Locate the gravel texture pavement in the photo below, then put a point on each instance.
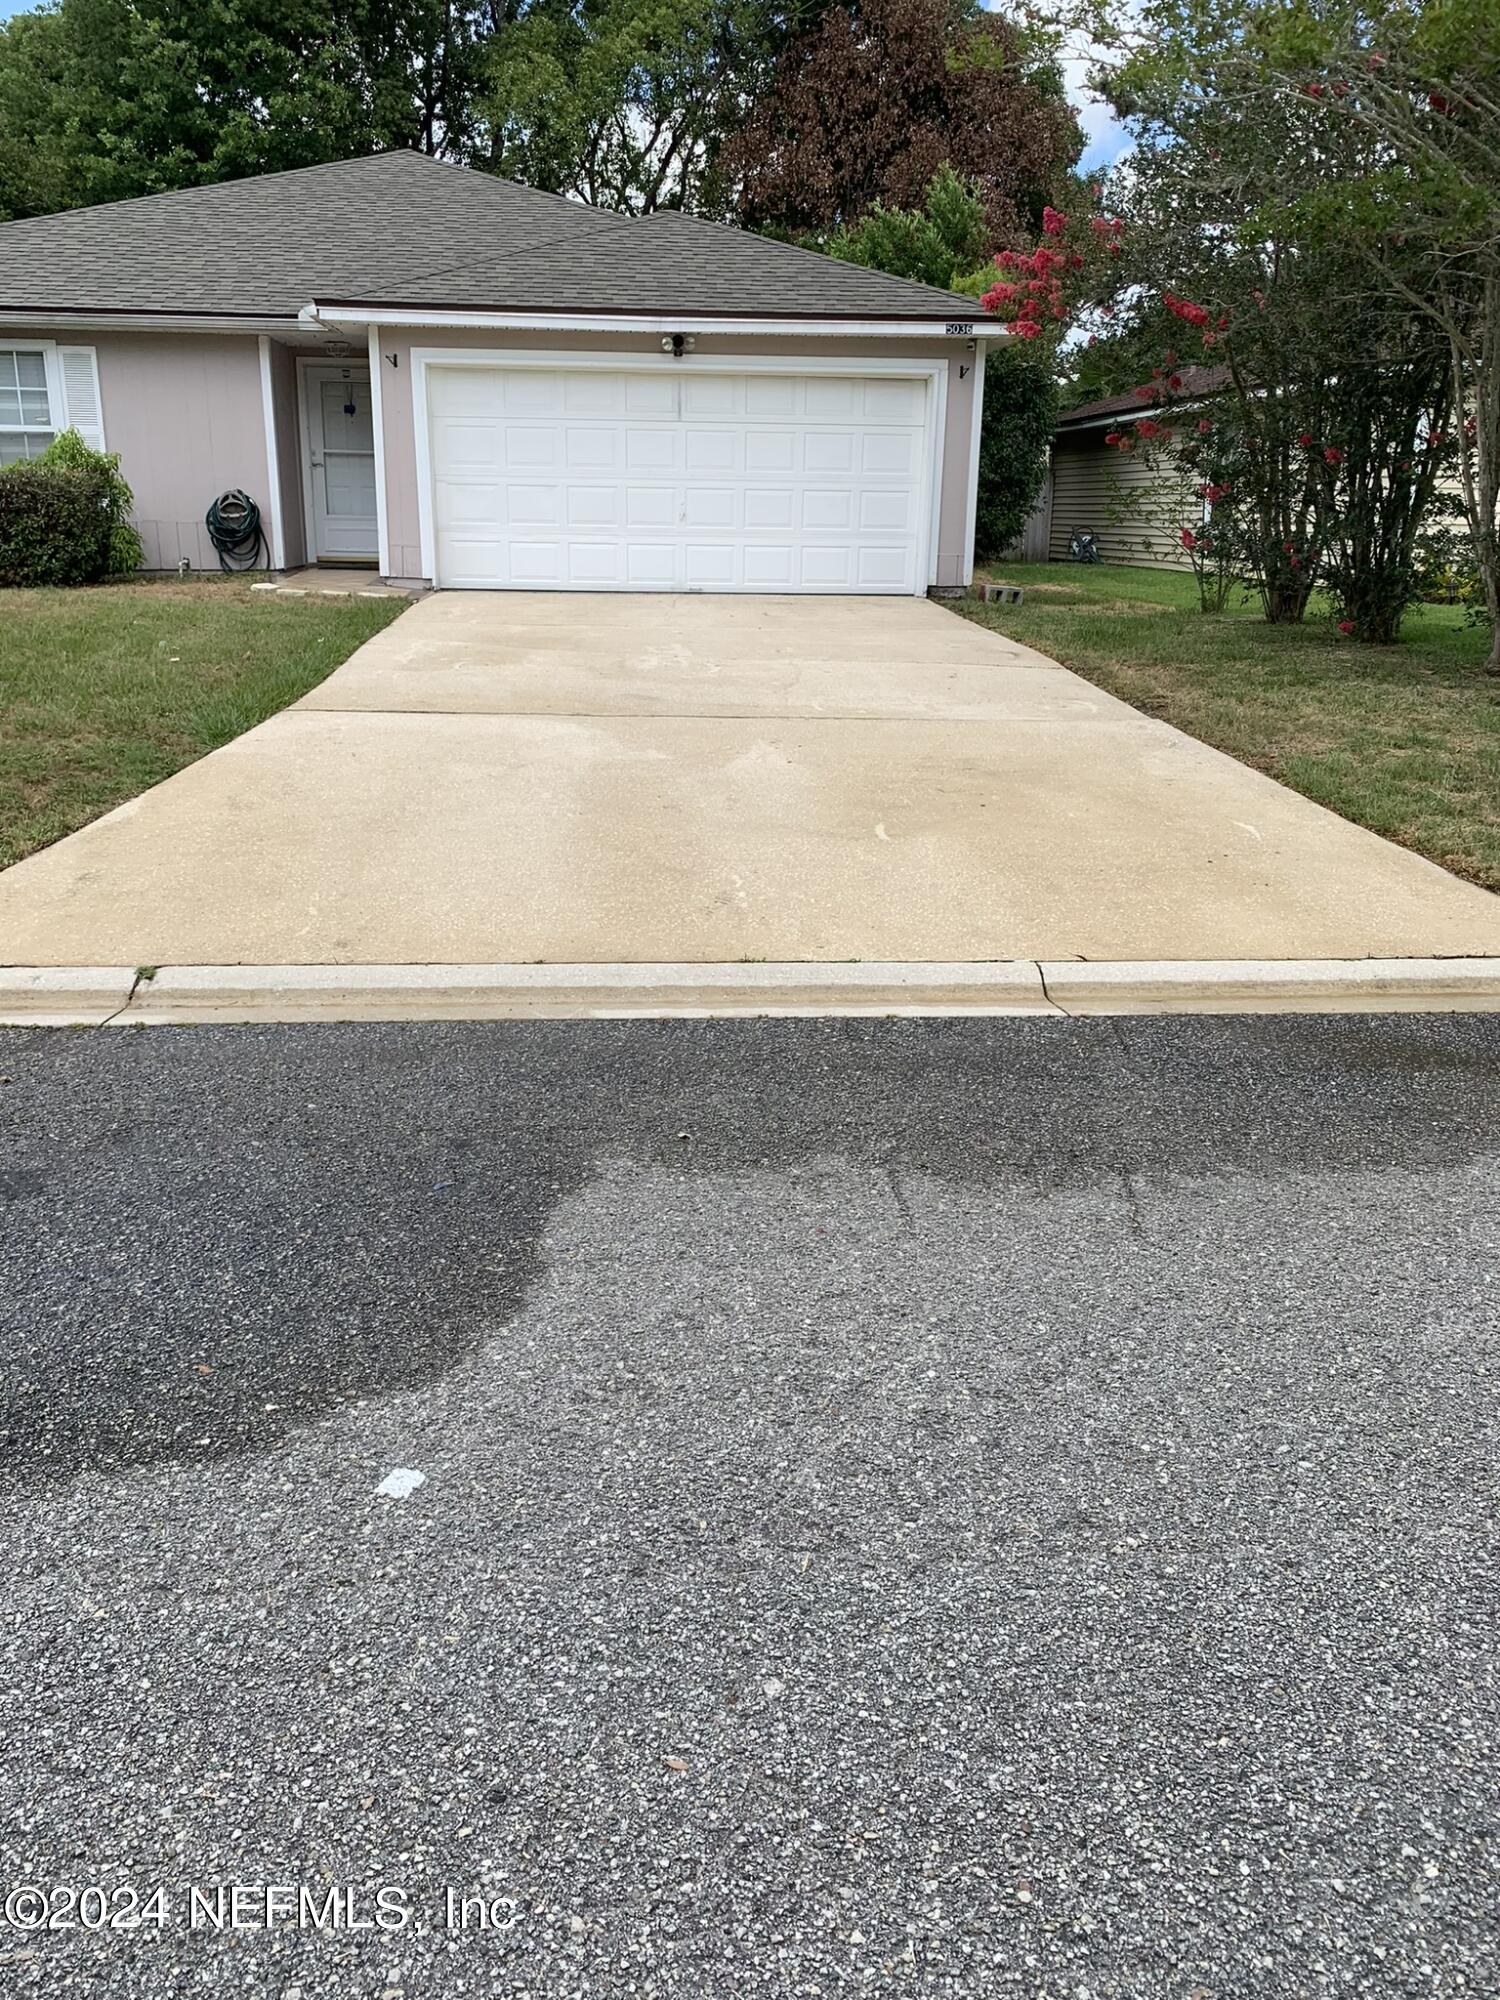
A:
(929, 1508)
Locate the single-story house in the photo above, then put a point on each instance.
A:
(466, 382)
(1130, 502)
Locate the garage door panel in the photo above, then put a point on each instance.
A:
(595, 394)
(478, 560)
(884, 568)
(595, 507)
(593, 449)
(657, 450)
(522, 506)
(621, 479)
(890, 452)
(651, 565)
(523, 448)
(898, 402)
(536, 562)
(472, 503)
(827, 507)
(830, 568)
(713, 396)
(470, 446)
(529, 394)
(772, 451)
(710, 565)
(828, 451)
(713, 450)
(770, 566)
(652, 396)
(770, 507)
(836, 400)
(710, 507)
(886, 510)
(591, 564)
(650, 506)
(773, 396)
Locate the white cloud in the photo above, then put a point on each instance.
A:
(1106, 139)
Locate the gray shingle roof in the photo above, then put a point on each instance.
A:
(401, 229)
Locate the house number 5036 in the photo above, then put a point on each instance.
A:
(959, 326)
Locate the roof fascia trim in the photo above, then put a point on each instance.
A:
(164, 321)
(819, 326)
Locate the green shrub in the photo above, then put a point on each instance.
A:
(69, 451)
(55, 525)
(1015, 443)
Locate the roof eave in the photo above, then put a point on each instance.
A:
(180, 319)
(363, 312)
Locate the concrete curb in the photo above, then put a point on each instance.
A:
(97, 996)
(63, 996)
(520, 992)
(1273, 986)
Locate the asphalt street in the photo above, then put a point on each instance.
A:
(916, 1507)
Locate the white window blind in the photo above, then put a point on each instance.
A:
(80, 380)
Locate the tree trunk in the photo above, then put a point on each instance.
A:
(1286, 602)
(1380, 626)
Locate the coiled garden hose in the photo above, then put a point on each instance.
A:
(233, 523)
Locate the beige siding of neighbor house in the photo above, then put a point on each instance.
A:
(1129, 501)
(402, 526)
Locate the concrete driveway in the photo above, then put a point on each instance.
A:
(590, 779)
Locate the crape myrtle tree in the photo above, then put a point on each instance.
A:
(1330, 418)
(1404, 99)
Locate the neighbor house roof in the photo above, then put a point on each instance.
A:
(1195, 381)
(402, 229)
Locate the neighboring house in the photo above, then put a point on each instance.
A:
(468, 382)
(1130, 501)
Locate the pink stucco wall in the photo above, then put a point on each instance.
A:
(400, 438)
(184, 412)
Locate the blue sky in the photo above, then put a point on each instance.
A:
(1107, 138)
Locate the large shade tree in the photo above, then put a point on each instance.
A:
(104, 99)
(868, 105)
(627, 103)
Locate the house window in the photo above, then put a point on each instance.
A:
(26, 426)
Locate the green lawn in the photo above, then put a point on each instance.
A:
(106, 691)
(1404, 739)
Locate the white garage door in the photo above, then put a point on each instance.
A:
(678, 479)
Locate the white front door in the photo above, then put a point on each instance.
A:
(341, 461)
(678, 476)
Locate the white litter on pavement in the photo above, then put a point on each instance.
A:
(403, 1481)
